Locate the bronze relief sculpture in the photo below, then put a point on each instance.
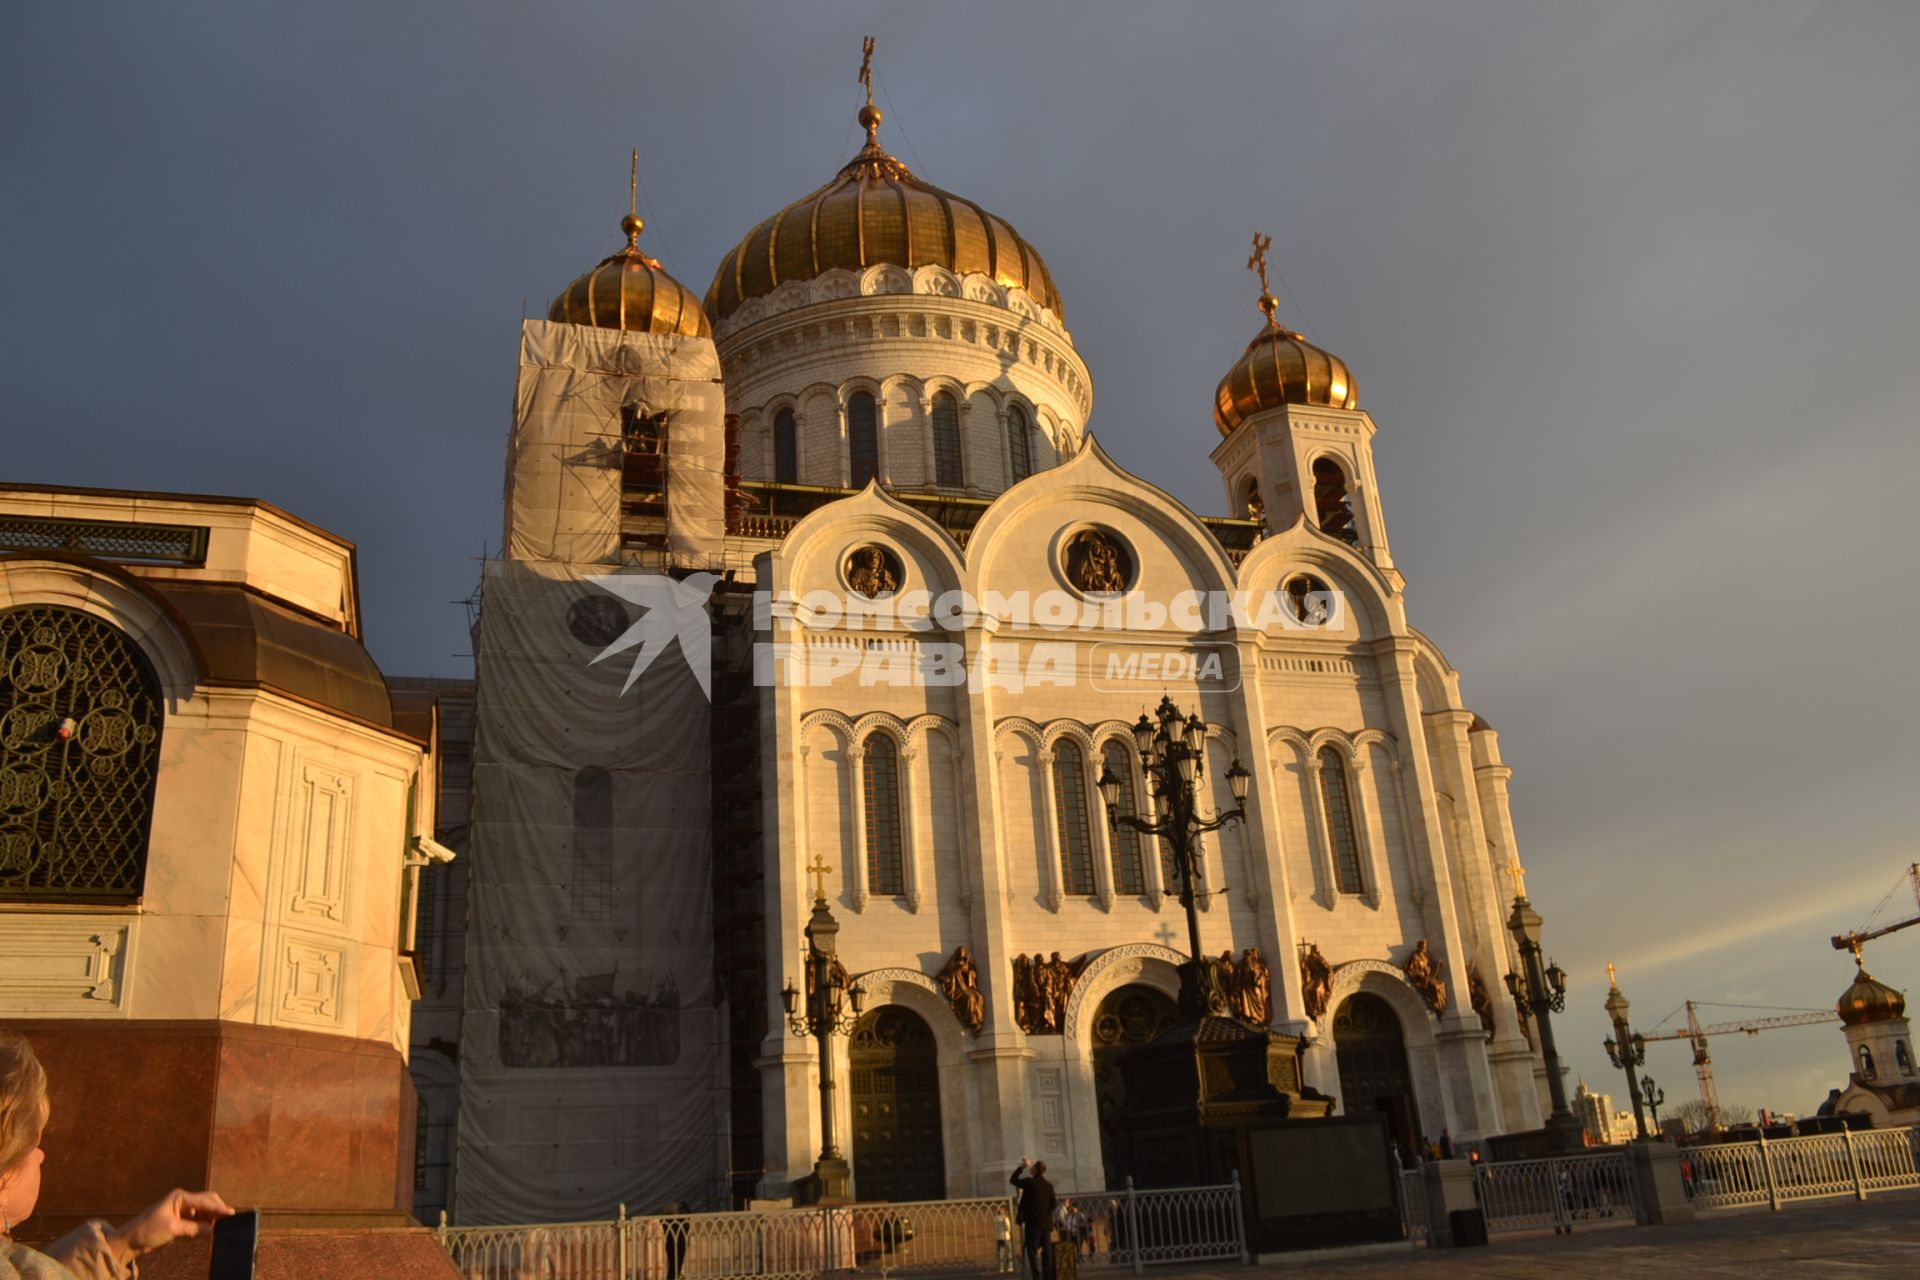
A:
(1316, 981)
(960, 983)
(1097, 563)
(1424, 975)
(1477, 996)
(873, 571)
(1041, 988)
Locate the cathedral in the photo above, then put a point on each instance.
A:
(930, 610)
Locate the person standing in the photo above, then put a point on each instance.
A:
(1035, 1216)
(1446, 1144)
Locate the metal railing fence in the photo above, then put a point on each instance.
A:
(1733, 1175)
(1412, 1185)
(1127, 1228)
(1557, 1192)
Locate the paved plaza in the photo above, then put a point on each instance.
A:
(1846, 1238)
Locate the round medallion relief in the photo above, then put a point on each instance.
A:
(1310, 600)
(873, 571)
(596, 620)
(1097, 561)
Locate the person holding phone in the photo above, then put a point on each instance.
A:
(94, 1250)
(1035, 1216)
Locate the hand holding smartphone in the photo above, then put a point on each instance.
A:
(236, 1240)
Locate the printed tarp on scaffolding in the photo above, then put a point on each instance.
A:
(594, 406)
(588, 1055)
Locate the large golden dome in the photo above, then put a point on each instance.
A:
(1280, 367)
(1867, 999)
(875, 211)
(631, 292)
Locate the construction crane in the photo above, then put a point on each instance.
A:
(1867, 933)
(1703, 1061)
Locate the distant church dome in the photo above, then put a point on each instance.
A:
(632, 292)
(875, 211)
(1280, 367)
(1869, 1000)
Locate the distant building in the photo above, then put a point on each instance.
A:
(1604, 1125)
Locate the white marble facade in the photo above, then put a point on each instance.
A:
(980, 836)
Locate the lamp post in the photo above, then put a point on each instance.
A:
(1654, 1096)
(1172, 760)
(832, 1007)
(1541, 987)
(1626, 1049)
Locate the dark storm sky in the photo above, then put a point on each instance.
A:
(1629, 289)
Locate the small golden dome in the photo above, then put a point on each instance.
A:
(1280, 367)
(875, 211)
(631, 291)
(1869, 1000)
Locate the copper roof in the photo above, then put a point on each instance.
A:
(244, 638)
(1281, 367)
(875, 211)
(1867, 999)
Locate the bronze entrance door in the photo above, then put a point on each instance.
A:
(895, 1098)
(1127, 1018)
(1373, 1069)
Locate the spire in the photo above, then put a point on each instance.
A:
(633, 224)
(869, 116)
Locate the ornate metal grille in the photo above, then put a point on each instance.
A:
(1070, 810)
(80, 727)
(107, 539)
(886, 872)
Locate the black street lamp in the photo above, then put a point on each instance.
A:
(1541, 988)
(1654, 1096)
(1172, 759)
(833, 1003)
(1626, 1048)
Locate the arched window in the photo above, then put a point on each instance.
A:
(948, 471)
(1129, 874)
(592, 844)
(79, 756)
(1019, 444)
(1346, 854)
(1332, 500)
(863, 439)
(1866, 1063)
(1070, 808)
(880, 774)
(1252, 505)
(786, 449)
(1901, 1058)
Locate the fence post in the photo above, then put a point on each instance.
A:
(1562, 1203)
(443, 1228)
(1133, 1226)
(1853, 1164)
(620, 1242)
(1239, 1219)
(1766, 1167)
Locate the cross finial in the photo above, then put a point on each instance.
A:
(1258, 265)
(819, 870)
(1518, 873)
(633, 224)
(869, 116)
(1611, 983)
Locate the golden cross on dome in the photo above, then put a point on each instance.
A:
(1518, 873)
(869, 116)
(1611, 983)
(633, 224)
(1258, 264)
(819, 870)
(866, 68)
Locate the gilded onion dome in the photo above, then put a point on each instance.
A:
(631, 291)
(875, 211)
(1280, 367)
(1868, 999)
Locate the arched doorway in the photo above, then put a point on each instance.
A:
(1130, 1016)
(1374, 1075)
(895, 1098)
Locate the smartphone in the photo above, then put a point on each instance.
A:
(236, 1237)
